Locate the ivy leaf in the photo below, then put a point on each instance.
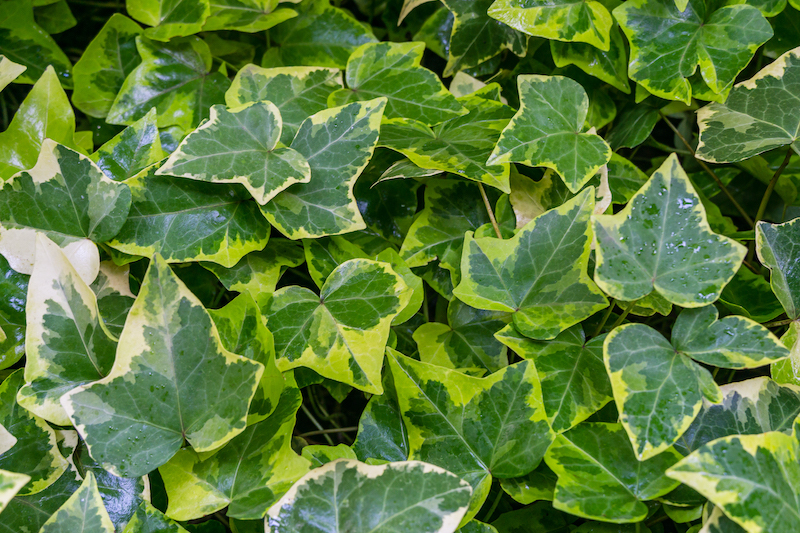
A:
(170, 18)
(298, 92)
(546, 131)
(539, 484)
(393, 70)
(381, 433)
(149, 519)
(750, 295)
(538, 277)
(337, 143)
(610, 66)
(662, 241)
(599, 476)
(475, 427)
(249, 16)
(240, 145)
(13, 294)
(168, 337)
(9, 71)
(778, 247)
(342, 333)
(132, 150)
(571, 372)
(173, 77)
(82, 512)
(347, 495)
(187, 220)
(667, 45)
(460, 145)
(104, 65)
(10, 485)
(248, 475)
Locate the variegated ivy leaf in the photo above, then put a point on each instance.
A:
(35, 452)
(67, 343)
(563, 20)
(247, 475)
(571, 371)
(546, 131)
(104, 65)
(246, 15)
(337, 143)
(539, 275)
(475, 427)
(173, 77)
(148, 519)
(610, 66)
(460, 145)
(9, 71)
(750, 295)
(715, 521)
(240, 145)
(755, 479)
(667, 45)
(599, 476)
(778, 247)
(393, 70)
(83, 512)
(114, 296)
(186, 385)
(299, 92)
(319, 454)
(662, 241)
(382, 436)
(188, 220)
(342, 333)
(132, 150)
(539, 484)
(170, 18)
(10, 485)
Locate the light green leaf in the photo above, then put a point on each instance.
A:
(10, 485)
(460, 145)
(778, 247)
(83, 512)
(187, 220)
(546, 131)
(9, 71)
(571, 370)
(148, 519)
(393, 70)
(599, 476)
(299, 92)
(132, 150)
(563, 20)
(170, 18)
(788, 370)
(539, 275)
(246, 15)
(248, 475)
(319, 454)
(173, 77)
(337, 143)
(168, 338)
(475, 427)
(104, 65)
(610, 66)
(667, 45)
(342, 333)
(662, 241)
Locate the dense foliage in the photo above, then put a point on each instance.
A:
(382, 266)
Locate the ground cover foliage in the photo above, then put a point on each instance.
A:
(372, 266)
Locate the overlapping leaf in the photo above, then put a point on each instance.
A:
(778, 247)
(9, 71)
(170, 18)
(83, 512)
(13, 294)
(246, 15)
(148, 518)
(132, 150)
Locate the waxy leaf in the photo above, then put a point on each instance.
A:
(475, 427)
(610, 66)
(298, 92)
(546, 131)
(563, 20)
(10, 485)
(188, 220)
(599, 476)
(382, 436)
(246, 15)
(342, 333)
(83, 512)
(9, 71)
(185, 384)
(67, 344)
(539, 275)
(393, 70)
(132, 150)
(750, 295)
(148, 519)
(758, 115)
(662, 241)
(337, 143)
(13, 293)
(667, 45)
(539, 484)
(240, 145)
(778, 247)
(171, 18)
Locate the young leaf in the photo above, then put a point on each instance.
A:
(546, 131)
(778, 247)
(337, 143)
(9, 71)
(668, 45)
(342, 333)
(539, 275)
(83, 512)
(662, 241)
(246, 15)
(170, 18)
(348, 495)
(185, 384)
(132, 150)
(240, 145)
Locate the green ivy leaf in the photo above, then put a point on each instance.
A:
(9, 71)
(246, 15)
(347, 495)
(168, 337)
(170, 18)
(319, 454)
(132, 150)
(599, 476)
(13, 294)
(539, 484)
(610, 66)
(149, 519)
(28, 513)
(750, 295)
(662, 241)
(778, 247)
(540, 279)
(382, 436)
(667, 45)
(81, 513)
(541, 135)
(337, 143)
(336, 334)
(240, 145)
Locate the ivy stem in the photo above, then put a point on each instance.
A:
(328, 431)
(490, 211)
(777, 323)
(493, 508)
(624, 314)
(317, 424)
(708, 171)
(603, 321)
(771, 187)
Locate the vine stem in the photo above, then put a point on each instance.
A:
(624, 314)
(603, 321)
(779, 323)
(328, 431)
(708, 171)
(493, 508)
(317, 424)
(771, 187)
(490, 211)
